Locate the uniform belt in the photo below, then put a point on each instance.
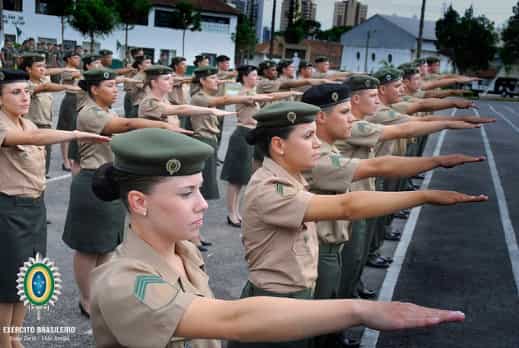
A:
(330, 248)
(20, 200)
(255, 291)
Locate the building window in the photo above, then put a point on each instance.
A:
(42, 7)
(69, 45)
(358, 55)
(164, 19)
(390, 58)
(13, 5)
(215, 24)
(373, 57)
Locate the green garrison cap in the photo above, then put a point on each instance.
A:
(326, 95)
(362, 82)
(205, 71)
(105, 52)
(156, 70)
(99, 75)
(285, 114)
(432, 60)
(388, 75)
(321, 59)
(9, 76)
(159, 152)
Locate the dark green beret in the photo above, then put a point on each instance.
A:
(388, 75)
(409, 69)
(284, 63)
(159, 152)
(205, 71)
(362, 82)
(321, 59)
(104, 52)
(156, 70)
(102, 74)
(420, 61)
(267, 64)
(285, 114)
(326, 95)
(304, 64)
(432, 60)
(10, 76)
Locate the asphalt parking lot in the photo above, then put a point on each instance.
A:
(456, 257)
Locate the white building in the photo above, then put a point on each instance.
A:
(387, 38)
(219, 21)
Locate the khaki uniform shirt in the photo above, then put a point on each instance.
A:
(152, 108)
(362, 143)
(246, 111)
(22, 167)
(430, 77)
(40, 110)
(319, 75)
(266, 85)
(280, 249)
(137, 92)
(68, 78)
(92, 118)
(180, 94)
(204, 125)
(388, 116)
(138, 300)
(332, 174)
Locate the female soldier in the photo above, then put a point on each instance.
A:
(94, 228)
(206, 127)
(156, 106)
(22, 208)
(68, 108)
(40, 111)
(237, 167)
(279, 234)
(154, 291)
(135, 90)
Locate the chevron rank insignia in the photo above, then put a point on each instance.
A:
(336, 161)
(154, 291)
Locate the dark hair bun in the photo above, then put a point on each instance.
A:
(83, 85)
(104, 185)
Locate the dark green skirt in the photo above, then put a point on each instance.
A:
(92, 225)
(68, 113)
(23, 224)
(130, 110)
(250, 290)
(210, 186)
(237, 166)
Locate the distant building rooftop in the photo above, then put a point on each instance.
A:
(216, 6)
(412, 26)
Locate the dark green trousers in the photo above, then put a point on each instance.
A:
(250, 290)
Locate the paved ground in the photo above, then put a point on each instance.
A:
(457, 257)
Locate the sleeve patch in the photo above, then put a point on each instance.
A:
(336, 161)
(153, 291)
(280, 188)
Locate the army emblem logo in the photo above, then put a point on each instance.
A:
(367, 83)
(388, 77)
(106, 75)
(291, 117)
(39, 283)
(173, 166)
(335, 96)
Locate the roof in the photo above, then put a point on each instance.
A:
(216, 6)
(412, 26)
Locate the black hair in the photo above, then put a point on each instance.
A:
(110, 184)
(87, 85)
(26, 63)
(222, 58)
(243, 71)
(176, 61)
(138, 61)
(198, 59)
(262, 136)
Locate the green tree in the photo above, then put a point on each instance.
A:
(130, 12)
(186, 17)
(459, 37)
(333, 34)
(62, 9)
(510, 36)
(244, 38)
(93, 18)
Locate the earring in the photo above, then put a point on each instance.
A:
(145, 213)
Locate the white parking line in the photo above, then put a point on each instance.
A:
(58, 178)
(506, 222)
(369, 336)
(514, 127)
(510, 109)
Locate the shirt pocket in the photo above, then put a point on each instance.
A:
(30, 158)
(300, 245)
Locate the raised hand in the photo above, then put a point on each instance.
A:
(178, 129)
(399, 315)
(477, 119)
(262, 98)
(438, 197)
(218, 112)
(462, 125)
(465, 104)
(454, 160)
(90, 137)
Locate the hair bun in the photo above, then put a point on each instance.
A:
(103, 184)
(83, 85)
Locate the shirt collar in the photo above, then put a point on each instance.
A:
(277, 170)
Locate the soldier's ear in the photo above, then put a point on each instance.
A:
(321, 117)
(137, 203)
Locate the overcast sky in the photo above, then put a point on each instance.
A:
(496, 10)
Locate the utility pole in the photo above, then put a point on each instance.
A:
(272, 25)
(368, 37)
(420, 32)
